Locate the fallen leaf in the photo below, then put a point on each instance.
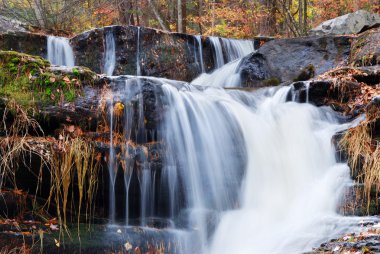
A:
(128, 246)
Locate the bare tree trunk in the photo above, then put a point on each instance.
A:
(158, 17)
(305, 17)
(37, 7)
(300, 14)
(179, 16)
(184, 16)
(200, 8)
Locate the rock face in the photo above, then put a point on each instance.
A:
(161, 54)
(288, 60)
(11, 25)
(366, 49)
(351, 23)
(168, 55)
(25, 42)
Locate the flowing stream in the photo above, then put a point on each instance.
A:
(59, 51)
(226, 72)
(243, 172)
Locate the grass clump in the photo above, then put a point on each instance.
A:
(363, 152)
(74, 166)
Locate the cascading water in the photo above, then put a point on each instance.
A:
(218, 51)
(59, 51)
(225, 75)
(200, 52)
(243, 172)
(110, 53)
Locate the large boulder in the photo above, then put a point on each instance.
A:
(352, 23)
(366, 49)
(12, 25)
(296, 59)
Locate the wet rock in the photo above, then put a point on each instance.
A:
(351, 23)
(294, 59)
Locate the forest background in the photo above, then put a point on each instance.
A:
(226, 18)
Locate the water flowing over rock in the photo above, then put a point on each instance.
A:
(352, 23)
(59, 51)
(110, 54)
(227, 72)
(168, 55)
(202, 168)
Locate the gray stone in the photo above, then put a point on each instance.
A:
(352, 23)
(296, 59)
(11, 25)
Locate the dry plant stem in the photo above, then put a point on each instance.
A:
(362, 149)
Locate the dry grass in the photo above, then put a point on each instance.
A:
(75, 161)
(16, 147)
(364, 153)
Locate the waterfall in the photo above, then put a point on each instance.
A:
(218, 51)
(138, 67)
(290, 181)
(200, 52)
(242, 172)
(59, 51)
(225, 75)
(110, 53)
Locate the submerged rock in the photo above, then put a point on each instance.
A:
(352, 23)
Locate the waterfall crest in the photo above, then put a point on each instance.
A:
(227, 64)
(59, 51)
(110, 53)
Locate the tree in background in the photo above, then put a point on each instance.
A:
(229, 18)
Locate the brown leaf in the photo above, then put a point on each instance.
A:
(66, 80)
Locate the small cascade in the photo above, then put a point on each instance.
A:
(138, 67)
(225, 75)
(217, 51)
(201, 65)
(236, 49)
(110, 53)
(59, 51)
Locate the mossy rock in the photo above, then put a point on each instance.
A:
(31, 81)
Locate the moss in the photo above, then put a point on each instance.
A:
(307, 73)
(272, 82)
(29, 80)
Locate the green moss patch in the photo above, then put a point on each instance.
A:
(30, 81)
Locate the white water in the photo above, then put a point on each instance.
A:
(60, 51)
(292, 185)
(110, 53)
(200, 51)
(225, 75)
(244, 172)
(218, 51)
